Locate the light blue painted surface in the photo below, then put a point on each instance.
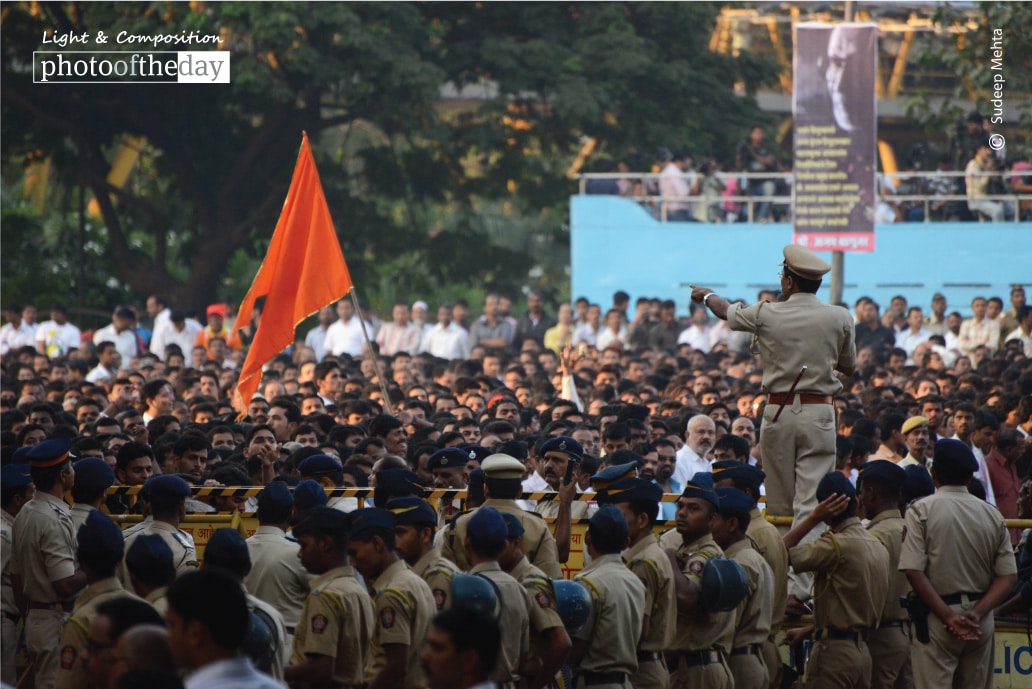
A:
(616, 244)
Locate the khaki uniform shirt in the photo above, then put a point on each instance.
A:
(651, 565)
(337, 621)
(753, 615)
(437, 572)
(538, 541)
(888, 528)
(7, 600)
(699, 630)
(578, 509)
(953, 564)
(514, 621)
(617, 612)
(277, 576)
(851, 576)
(544, 610)
(71, 672)
(79, 512)
(803, 330)
(136, 528)
(158, 598)
(44, 546)
(767, 542)
(404, 607)
(184, 556)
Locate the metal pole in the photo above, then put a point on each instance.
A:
(372, 354)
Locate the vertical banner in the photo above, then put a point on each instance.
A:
(834, 107)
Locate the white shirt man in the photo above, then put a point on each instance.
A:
(14, 337)
(914, 334)
(446, 340)
(673, 184)
(57, 339)
(316, 337)
(345, 335)
(691, 459)
(183, 334)
(125, 342)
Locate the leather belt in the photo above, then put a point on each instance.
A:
(778, 398)
(699, 658)
(895, 623)
(832, 634)
(750, 650)
(649, 656)
(958, 598)
(61, 606)
(595, 678)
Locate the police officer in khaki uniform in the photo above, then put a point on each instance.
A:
(415, 523)
(93, 476)
(960, 580)
(639, 500)
(549, 641)
(101, 547)
(878, 495)
(44, 556)
(402, 602)
(556, 455)
(331, 641)
(277, 575)
(148, 562)
(503, 484)
(767, 542)
(703, 639)
(752, 618)
(486, 537)
(17, 489)
(851, 583)
(605, 651)
(799, 448)
(168, 494)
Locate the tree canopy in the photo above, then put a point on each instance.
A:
(428, 184)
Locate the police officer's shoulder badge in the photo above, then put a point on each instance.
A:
(387, 618)
(319, 624)
(68, 656)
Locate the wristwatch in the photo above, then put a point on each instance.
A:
(708, 295)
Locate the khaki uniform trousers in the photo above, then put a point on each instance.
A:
(772, 659)
(651, 674)
(8, 651)
(43, 641)
(946, 661)
(890, 656)
(749, 671)
(838, 664)
(712, 676)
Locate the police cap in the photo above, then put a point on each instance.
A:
(832, 483)
(804, 262)
(149, 553)
(319, 464)
(499, 466)
(738, 471)
(955, 456)
(410, 510)
(513, 523)
(275, 497)
(322, 520)
(701, 486)
(477, 453)
(99, 534)
(15, 476)
(308, 494)
(611, 474)
(49, 453)
(487, 529)
(917, 483)
(570, 447)
(633, 490)
(93, 473)
(371, 519)
(881, 469)
(447, 458)
(400, 482)
(914, 422)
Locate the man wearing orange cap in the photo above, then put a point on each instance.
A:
(803, 342)
(217, 328)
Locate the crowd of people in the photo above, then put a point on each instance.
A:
(703, 189)
(608, 413)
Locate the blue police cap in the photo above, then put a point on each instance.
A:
(371, 519)
(99, 534)
(410, 510)
(227, 548)
(735, 500)
(612, 474)
(49, 453)
(881, 469)
(321, 520)
(400, 481)
(917, 483)
(149, 553)
(478, 453)
(633, 489)
(21, 455)
(738, 471)
(564, 444)
(93, 473)
(954, 456)
(15, 476)
(513, 524)
(834, 482)
(448, 458)
(487, 529)
(318, 464)
(168, 486)
(308, 494)
(275, 497)
(611, 520)
(701, 486)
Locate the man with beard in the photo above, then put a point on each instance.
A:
(699, 435)
(557, 454)
(915, 434)
(666, 463)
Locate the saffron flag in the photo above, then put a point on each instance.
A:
(303, 271)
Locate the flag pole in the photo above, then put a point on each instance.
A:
(372, 355)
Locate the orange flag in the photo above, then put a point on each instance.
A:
(303, 271)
